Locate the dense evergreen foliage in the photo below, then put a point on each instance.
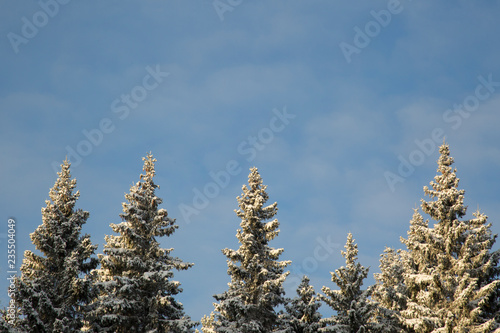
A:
(134, 290)
(256, 287)
(351, 303)
(446, 279)
(302, 314)
(390, 291)
(450, 273)
(52, 290)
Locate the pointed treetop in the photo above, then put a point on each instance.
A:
(350, 302)
(149, 167)
(61, 193)
(257, 275)
(302, 311)
(449, 199)
(135, 282)
(445, 160)
(255, 180)
(351, 252)
(451, 278)
(252, 200)
(53, 287)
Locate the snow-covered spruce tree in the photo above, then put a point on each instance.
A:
(451, 274)
(420, 271)
(302, 314)
(134, 287)
(389, 291)
(256, 287)
(52, 289)
(352, 304)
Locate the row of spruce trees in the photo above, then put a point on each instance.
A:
(446, 280)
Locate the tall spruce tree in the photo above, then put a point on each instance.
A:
(52, 289)
(256, 287)
(451, 274)
(302, 314)
(134, 287)
(351, 303)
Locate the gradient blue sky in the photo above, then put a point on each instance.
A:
(355, 118)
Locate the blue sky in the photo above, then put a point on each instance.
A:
(345, 140)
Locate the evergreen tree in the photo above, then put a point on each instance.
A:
(420, 270)
(257, 277)
(451, 274)
(390, 291)
(5, 327)
(302, 314)
(354, 310)
(134, 287)
(52, 289)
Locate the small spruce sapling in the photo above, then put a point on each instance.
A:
(351, 303)
(302, 314)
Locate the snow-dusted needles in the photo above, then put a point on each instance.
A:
(446, 279)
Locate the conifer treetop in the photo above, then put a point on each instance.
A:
(351, 303)
(141, 211)
(251, 204)
(62, 223)
(389, 291)
(351, 252)
(60, 207)
(61, 194)
(257, 276)
(255, 232)
(302, 314)
(53, 287)
(450, 273)
(135, 282)
(449, 203)
(349, 278)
